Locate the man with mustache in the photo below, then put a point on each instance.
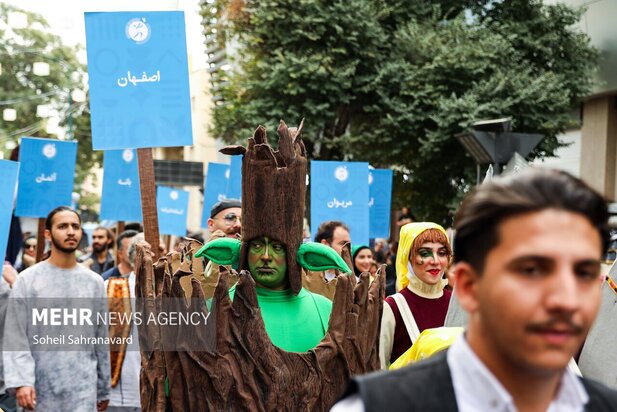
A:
(225, 222)
(47, 375)
(527, 256)
(100, 260)
(226, 216)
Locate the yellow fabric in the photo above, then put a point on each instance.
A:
(409, 232)
(428, 343)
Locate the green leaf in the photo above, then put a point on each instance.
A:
(223, 251)
(318, 257)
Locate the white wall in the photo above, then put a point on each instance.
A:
(567, 158)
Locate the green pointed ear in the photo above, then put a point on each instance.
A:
(319, 257)
(223, 251)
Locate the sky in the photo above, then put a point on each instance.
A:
(66, 19)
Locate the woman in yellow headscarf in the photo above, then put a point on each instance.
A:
(421, 302)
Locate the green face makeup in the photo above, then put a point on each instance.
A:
(267, 260)
(425, 253)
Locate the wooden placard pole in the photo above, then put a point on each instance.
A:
(40, 240)
(119, 230)
(168, 243)
(148, 199)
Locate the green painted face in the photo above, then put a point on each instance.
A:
(267, 261)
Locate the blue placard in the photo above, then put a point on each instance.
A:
(215, 188)
(121, 199)
(234, 187)
(172, 207)
(46, 173)
(138, 76)
(339, 191)
(8, 182)
(380, 202)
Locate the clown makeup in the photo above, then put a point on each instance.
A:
(429, 262)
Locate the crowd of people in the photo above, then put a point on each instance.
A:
(524, 266)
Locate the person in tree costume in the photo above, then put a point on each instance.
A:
(247, 357)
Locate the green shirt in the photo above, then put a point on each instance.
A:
(295, 323)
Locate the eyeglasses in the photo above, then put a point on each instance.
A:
(231, 218)
(30, 247)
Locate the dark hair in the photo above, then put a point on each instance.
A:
(195, 235)
(108, 233)
(477, 220)
(325, 231)
(127, 234)
(50, 216)
(134, 226)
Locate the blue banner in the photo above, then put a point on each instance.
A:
(380, 202)
(121, 199)
(234, 187)
(138, 76)
(8, 182)
(215, 188)
(172, 207)
(46, 173)
(339, 191)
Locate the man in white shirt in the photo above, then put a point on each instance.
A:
(54, 376)
(527, 253)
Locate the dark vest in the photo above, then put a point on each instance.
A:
(427, 386)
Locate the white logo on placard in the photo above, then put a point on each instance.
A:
(138, 30)
(370, 178)
(341, 173)
(173, 195)
(49, 150)
(127, 155)
(227, 174)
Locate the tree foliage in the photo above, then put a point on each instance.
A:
(21, 89)
(391, 82)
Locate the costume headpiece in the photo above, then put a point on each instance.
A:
(273, 193)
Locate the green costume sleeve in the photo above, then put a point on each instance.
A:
(318, 257)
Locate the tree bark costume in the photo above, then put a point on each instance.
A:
(316, 282)
(231, 363)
